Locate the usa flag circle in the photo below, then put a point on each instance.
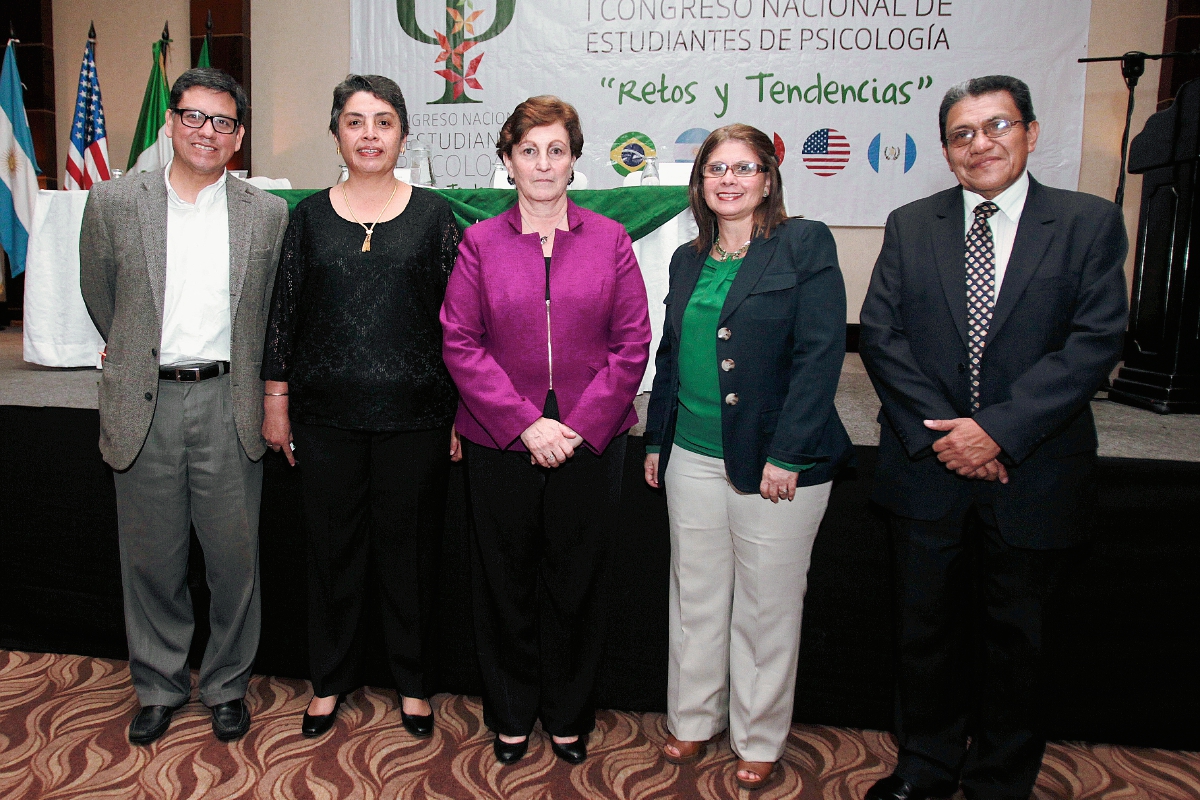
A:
(826, 152)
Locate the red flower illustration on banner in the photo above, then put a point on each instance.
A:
(462, 32)
(459, 79)
(455, 54)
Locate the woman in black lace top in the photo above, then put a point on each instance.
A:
(357, 394)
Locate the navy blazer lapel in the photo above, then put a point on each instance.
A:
(948, 239)
(683, 283)
(749, 272)
(237, 198)
(152, 219)
(1034, 234)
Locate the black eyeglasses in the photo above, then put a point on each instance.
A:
(196, 119)
(993, 129)
(742, 169)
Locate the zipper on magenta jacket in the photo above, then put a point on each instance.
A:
(549, 346)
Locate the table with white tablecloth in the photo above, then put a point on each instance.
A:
(57, 329)
(59, 332)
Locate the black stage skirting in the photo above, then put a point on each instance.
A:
(1123, 638)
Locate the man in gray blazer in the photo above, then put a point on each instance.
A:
(995, 311)
(176, 266)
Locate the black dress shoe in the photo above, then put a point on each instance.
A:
(419, 725)
(893, 787)
(315, 725)
(150, 723)
(509, 752)
(571, 752)
(230, 720)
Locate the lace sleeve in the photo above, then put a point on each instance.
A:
(289, 279)
(451, 236)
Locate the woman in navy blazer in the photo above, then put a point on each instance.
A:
(744, 436)
(547, 335)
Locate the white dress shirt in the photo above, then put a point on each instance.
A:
(196, 300)
(1003, 223)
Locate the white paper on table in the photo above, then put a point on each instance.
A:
(260, 182)
(58, 330)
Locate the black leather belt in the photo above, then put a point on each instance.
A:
(200, 372)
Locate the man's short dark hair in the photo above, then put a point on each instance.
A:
(214, 79)
(385, 89)
(1016, 88)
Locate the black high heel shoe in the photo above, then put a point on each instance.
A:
(315, 725)
(509, 752)
(571, 752)
(419, 725)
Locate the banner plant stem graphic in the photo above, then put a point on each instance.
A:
(459, 37)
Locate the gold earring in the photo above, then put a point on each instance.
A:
(338, 147)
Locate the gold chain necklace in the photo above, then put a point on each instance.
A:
(366, 248)
(736, 254)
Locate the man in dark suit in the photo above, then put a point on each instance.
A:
(995, 311)
(174, 267)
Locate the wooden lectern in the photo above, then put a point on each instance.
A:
(1162, 348)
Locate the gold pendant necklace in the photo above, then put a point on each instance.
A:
(741, 251)
(366, 248)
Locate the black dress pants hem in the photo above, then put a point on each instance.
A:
(540, 541)
(374, 505)
(969, 629)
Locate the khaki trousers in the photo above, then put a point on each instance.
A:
(739, 571)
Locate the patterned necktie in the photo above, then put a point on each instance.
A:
(981, 288)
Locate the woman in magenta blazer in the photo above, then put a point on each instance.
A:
(546, 334)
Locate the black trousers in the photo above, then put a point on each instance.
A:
(541, 537)
(373, 502)
(970, 609)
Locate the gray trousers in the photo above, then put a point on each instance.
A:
(739, 571)
(192, 470)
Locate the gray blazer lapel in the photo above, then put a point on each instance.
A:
(241, 219)
(1034, 234)
(948, 240)
(748, 274)
(152, 219)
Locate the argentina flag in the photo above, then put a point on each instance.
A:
(18, 167)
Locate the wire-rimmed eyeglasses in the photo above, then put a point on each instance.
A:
(993, 129)
(742, 169)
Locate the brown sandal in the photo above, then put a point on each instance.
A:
(688, 751)
(761, 770)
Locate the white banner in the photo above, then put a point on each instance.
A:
(848, 88)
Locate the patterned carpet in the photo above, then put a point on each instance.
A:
(63, 726)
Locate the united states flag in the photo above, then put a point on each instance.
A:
(826, 152)
(87, 160)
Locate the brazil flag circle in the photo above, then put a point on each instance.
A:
(630, 151)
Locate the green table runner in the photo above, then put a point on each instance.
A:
(640, 209)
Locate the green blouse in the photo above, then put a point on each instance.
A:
(698, 425)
